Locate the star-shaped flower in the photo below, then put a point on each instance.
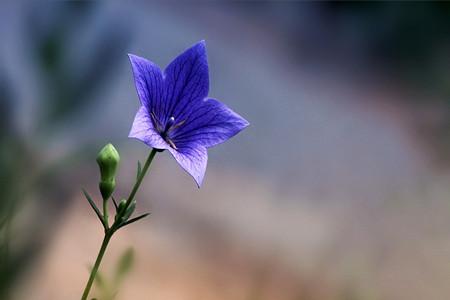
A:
(176, 113)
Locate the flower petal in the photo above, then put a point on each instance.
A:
(186, 80)
(209, 123)
(193, 160)
(148, 79)
(144, 130)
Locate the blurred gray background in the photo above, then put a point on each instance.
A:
(339, 189)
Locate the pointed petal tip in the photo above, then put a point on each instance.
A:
(198, 178)
(241, 121)
(132, 56)
(198, 181)
(137, 59)
(134, 136)
(193, 162)
(245, 123)
(199, 46)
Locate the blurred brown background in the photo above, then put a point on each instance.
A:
(339, 189)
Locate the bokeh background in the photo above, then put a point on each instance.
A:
(339, 189)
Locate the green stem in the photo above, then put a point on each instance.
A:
(109, 233)
(94, 270)
(105, 212)
(141, 176)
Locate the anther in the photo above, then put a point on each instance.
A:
(169, 124)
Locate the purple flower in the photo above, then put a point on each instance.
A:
(175, 112)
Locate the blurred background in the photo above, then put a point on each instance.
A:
(339, 189)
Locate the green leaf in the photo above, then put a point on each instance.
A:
(134, 220)
(139, 170)
(94, 207)
(125, 264)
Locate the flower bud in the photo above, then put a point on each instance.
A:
(107, 159)
(120, 208)
(107, 188)
(129, 211)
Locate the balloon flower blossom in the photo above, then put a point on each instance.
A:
(176, 113)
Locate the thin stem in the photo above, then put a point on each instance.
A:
(141, 176)
(105, 212)
(94, 270)
(110, 231)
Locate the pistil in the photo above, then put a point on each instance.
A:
(169, 126)
(165, 134)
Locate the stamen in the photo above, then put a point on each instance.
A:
(172, 144)
(177, 125)
(165, 133)
(156, 122)
(169, 124)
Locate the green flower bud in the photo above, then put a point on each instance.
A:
(107, 188)
(107, 159)
(129, 211)
(120, 208)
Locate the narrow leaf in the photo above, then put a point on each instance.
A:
(124, 264)
(134, 220)
(139, 170)
(94, 207)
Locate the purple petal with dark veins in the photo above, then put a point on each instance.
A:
(208, 123)
(192, 160)
(177, 115)
(186, 81)
(148, 80)
(144, 130)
